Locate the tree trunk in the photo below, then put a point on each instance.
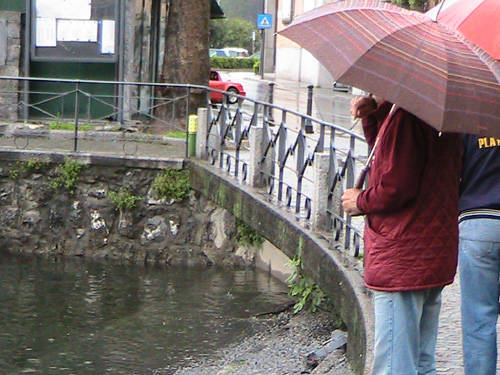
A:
(186, 59)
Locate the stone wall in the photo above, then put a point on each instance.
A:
(38, 219)
(10, 55)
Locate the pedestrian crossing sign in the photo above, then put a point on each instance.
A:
(264, 21)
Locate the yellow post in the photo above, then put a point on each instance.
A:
(192, 129)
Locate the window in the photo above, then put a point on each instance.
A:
(287, 11)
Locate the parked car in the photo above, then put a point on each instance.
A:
(236, 52)
(216, 52)
(217, 82)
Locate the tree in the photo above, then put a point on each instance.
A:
(233, 32)
(186, 58)
(245, 9)
(421, 5)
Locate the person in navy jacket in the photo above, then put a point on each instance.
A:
(479, 252)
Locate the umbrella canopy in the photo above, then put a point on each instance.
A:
(477, 20)
(403, 56)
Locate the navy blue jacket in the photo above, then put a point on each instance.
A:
(480, 187)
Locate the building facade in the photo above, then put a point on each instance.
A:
(293, 62)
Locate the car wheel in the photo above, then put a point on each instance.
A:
(230, 98)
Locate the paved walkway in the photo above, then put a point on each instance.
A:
(449, 345)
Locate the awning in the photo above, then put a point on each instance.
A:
(215, 10)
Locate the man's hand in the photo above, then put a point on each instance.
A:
(362, 106)
(349, 199)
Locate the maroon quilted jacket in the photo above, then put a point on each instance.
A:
(411, 203)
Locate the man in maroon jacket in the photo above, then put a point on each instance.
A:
(411, 231)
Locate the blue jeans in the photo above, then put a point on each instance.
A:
(479, 260)
(406, 325)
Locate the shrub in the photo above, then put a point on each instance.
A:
(69, 172)
(172, 184)
(124, 200)
(303, 288)
(14, 174)
(245, 235)
(232, 62)
(34, 165)
(256, 67)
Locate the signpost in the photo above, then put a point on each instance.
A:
(264, 21)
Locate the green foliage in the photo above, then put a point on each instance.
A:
(56, 125)
(124, 200)
(256, 66)
(234, 32)
(421, 5)
(245, 235)
(14, 174)
(176, 134)
(232, 62)
(303, 288)
(172, 184)
(246, 9)
(69, 172)
(34, 165)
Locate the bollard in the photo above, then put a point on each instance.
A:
(192, 129)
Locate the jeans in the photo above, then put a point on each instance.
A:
(406, 325)
(479, 260)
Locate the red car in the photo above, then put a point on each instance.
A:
(216, 82)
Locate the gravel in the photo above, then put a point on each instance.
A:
(279, 345)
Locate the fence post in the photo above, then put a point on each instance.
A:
(271, 101)
(309, 127)
(201, 134)
(319, 202)
(255, 138)
(77, 105)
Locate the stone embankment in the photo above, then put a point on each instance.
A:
(44, 215)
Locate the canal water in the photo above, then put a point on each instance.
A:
(83, 317)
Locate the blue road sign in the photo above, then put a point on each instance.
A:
(264, 21)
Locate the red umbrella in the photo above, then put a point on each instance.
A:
(405, 57)
(477, 20)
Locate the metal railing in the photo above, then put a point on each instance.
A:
(297, 159)
(301, 163)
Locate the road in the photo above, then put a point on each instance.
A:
(328, 105)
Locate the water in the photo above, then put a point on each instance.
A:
(83, 317)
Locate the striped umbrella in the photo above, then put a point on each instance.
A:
(477, 20)
(405, 57)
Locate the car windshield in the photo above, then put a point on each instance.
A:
(213, 76)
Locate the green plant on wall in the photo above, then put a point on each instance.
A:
(172, 184)
(303, 288)
(68, 175)
(34, 165)
(14, 174)
(124, 200)
(245, 235)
